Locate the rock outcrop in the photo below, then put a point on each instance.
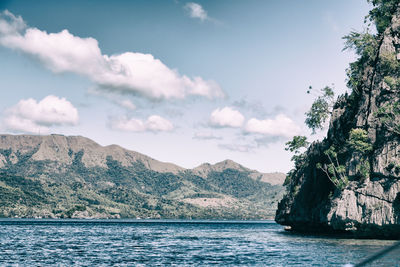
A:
(368, 204)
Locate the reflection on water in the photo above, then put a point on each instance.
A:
(132, 242)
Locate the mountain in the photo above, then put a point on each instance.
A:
(276, 178)
(63, 150)
(60, 176)
(350, 182)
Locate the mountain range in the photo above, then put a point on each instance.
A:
(58, 176)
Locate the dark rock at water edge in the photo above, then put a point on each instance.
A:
(368, 205)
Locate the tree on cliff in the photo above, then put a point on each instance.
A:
(366, 45)
(350, 181)
(321, 109)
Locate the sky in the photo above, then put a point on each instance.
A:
(180, 81)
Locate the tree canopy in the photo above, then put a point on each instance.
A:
(320, 109)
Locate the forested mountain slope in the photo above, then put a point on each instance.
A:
(61, 177)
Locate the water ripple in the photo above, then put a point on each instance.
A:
(183, 243)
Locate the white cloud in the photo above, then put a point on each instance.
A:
(281, 125)
(226, 117)
(196, 11)
(153, 123)
(136, 73)
(126, 104)
(156, 123)
(31, 116)
(128, 125)
(9, 24)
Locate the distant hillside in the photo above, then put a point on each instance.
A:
(61, 177)
(276, 178)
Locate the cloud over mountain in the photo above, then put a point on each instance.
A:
(281, 125)
(226, 117)
(31, 116)
(129, 72)
(153, 123)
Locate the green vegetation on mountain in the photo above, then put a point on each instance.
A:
(73, 177)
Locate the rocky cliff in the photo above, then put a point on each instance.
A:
(358, 190)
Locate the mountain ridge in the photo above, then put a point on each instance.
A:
(74, 177)
(117, 152)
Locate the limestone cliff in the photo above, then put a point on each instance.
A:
(368, 202)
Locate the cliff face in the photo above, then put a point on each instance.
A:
(369, 202)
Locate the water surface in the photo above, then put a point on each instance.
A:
(176, 242)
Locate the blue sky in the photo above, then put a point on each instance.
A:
(180, 81)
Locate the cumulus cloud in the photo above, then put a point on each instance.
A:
(196, 11)
(153, 123)
(206, 136)
(31, 116)
(156, 123)
(130, 72)
(281, 125)
(10, 24)
(126, 104)
(128, 124)
(226, 117)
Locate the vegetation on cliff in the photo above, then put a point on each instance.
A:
(350, 181)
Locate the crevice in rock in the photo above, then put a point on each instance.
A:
(368, 195)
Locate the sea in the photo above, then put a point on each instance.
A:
(43, 242)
